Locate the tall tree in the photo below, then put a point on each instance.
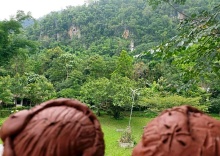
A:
(11, 39)
(124, 65)
(120, 94)
(61, 67)
(6, 95)
(95, 92)
(39, 89)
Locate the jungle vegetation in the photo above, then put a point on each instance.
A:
(168, 51)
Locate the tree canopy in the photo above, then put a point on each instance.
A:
(100, 52)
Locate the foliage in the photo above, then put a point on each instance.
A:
(19, 64)
(158, 103)
(39, 89)
(194, 51)
(66, 93)
(155, 3)
(113, 94)
(61, 67)
(18, 86)
(96, 66)
(106, 27)
(149, 113)
(215, 105)
(11, 38)
(72, 85)
(6, 95)
(124, 65)
(96, 92)
(95, 53)
(4, 114)
(196, 48)
(120, 94)
(19, 108)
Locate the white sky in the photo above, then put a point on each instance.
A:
(38, 8)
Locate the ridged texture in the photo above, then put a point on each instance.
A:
(61, 127)
(180, 131)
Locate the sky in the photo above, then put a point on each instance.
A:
(38, 8)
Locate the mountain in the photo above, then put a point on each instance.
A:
(114, 24)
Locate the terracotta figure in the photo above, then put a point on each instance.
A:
(180, 131)
(61, 127)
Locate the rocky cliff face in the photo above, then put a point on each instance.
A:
(74, 31)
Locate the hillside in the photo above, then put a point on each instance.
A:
(87, 52)
(127, 24)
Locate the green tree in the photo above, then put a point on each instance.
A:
(7, 29)
(96, 93)
(124, 65)
(96, 66)
(50, 55)
(70, 88)
(18, 87)
(61, 67)
(120, 94)
(39, 89)
(6, 95)
(11, 38)
(19, 63)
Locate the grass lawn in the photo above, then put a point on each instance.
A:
(111, 136)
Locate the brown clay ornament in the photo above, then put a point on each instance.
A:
(180, 131)
(61, 127)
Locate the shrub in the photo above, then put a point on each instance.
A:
(158, 103)
(5, 113)
(150, 114)
(215, 105)
(19, 108)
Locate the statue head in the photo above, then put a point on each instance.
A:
(180, 131)
(60, 127)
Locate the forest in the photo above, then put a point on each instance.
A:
(114, 54)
